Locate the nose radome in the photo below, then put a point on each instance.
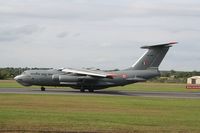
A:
(23, 80)
(17, 77)
(20, 78)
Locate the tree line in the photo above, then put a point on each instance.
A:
(173, 76)
(10, 72)
(166, 76)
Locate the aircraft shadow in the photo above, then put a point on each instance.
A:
(104, 92)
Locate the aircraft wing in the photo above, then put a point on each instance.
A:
(86, 72)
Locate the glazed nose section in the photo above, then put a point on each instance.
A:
(19, 77)
(22, 79)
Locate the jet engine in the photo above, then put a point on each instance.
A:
(71, 78)
(67, 78)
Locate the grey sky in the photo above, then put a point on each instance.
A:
(104, 34)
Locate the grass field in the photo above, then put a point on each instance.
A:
(63, 113)
(88, 113)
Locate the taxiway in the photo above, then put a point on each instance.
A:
(62, 91)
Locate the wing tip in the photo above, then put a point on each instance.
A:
(171, 43)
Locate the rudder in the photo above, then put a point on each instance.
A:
(153, 57)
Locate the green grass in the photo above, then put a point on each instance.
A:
(98, 114)
(84, 113)
(9, 84)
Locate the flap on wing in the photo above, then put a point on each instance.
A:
(137, 79)
(86, 72)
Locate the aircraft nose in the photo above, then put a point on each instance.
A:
(23, 80)
(18, 77)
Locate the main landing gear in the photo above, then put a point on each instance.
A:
(82, 90)
(89, 90)
(42, 88)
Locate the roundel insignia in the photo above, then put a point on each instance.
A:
(145, 62)
(124, 76)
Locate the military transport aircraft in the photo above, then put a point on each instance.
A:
(84, 79)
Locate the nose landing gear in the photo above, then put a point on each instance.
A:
(42, 88)
(90, 90)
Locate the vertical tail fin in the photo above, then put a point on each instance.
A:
(153, 57)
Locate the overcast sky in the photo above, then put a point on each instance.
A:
(104, 34)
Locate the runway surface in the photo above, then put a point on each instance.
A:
(62, 91)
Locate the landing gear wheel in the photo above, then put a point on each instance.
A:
(82, 90)
(42, 89)
(91, 90)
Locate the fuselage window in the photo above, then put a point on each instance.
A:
(35, 73)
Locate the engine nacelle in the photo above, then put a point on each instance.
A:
(70, 78)
(67, 78)
(55, 77)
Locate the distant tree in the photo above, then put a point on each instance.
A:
(4, 74)
(172, 72)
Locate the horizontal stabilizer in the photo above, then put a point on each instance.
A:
(159, 45)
